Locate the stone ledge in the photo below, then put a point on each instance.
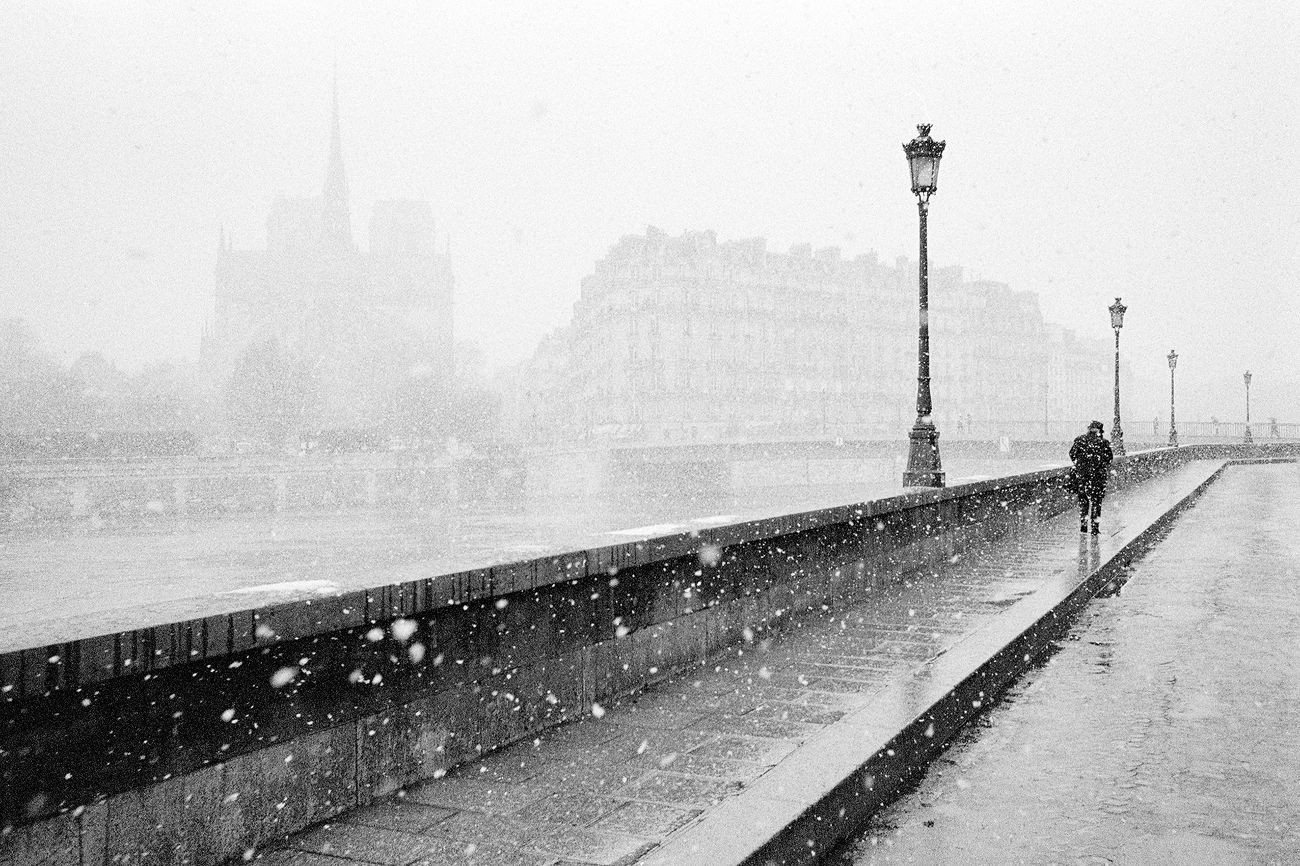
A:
(94, 658)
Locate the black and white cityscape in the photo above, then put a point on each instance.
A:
(647, 434)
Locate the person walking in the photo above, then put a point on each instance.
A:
(1091, 456)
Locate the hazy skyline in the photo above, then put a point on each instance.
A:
(1092, 152)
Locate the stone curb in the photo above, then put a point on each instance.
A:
(805, 806)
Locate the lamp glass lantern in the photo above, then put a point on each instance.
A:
(1173, 359)
(1247, 378)
(923, 154)
(1117, 310)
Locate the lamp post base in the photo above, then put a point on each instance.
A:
(1173, 438)
(1248, 440)
(1117, 440)
(924, 468)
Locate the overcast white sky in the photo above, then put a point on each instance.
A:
(1094, 150)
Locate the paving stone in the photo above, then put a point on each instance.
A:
(504, 769)
(708, 685)
(842, 701)
(856, 687)
(395, 813)
(457, 792)
(518, 762)
(794, 682)
(762, 727)
(674, 697)
(640, 741)
(592, 778)
(796, 713)
(575, 809)
(591, 846)
(637, 818)
(659, 717)
(609, 753)
(703, 765)
(758, 750)
(483, 827)
(658, 761)
(760, 691)
(295, 857)
(446, 852)
(679, 789)
(367, 844)
(586, 732)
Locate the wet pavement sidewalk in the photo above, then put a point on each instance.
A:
(709, 766)
(1161, 731)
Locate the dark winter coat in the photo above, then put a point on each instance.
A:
(1091, 465)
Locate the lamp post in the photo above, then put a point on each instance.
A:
(1173, 428)
(924, 468)
(1117, 321)
(1247, 378)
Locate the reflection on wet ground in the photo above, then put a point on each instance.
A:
(74, 578)
(1161, 731)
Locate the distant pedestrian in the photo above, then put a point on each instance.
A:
(1091, 455)
(1273, 430)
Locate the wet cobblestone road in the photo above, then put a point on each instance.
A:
(1162, 731)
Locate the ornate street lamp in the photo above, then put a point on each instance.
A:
(924, 468)
(1117, 321)
(1173, 428)
(1247, 378)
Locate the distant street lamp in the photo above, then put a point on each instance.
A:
(924, 468)
(1247, 378)
(1117, 321)
(1173, 428)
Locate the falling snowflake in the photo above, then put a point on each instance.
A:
(283, 676)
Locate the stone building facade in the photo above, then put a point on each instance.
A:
(688, 338)
(354, 325)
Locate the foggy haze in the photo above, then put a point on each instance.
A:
(600, 429)
(1093, 152)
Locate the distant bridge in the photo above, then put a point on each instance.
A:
(195, 486)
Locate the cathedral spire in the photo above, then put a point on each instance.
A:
(336, 216)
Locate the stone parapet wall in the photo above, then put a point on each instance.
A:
(196, 741)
